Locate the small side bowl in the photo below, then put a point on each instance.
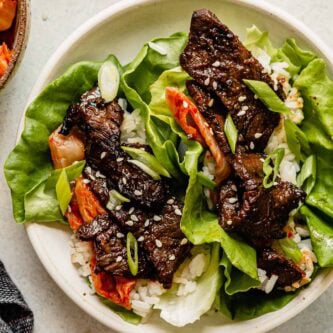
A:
(21, 34)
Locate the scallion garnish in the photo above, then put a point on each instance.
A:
(269, 171)
(148, 159)
(290, 249)
(231, 132)
(267, 96)
(132, 249)
(115, 199)
(63, 191)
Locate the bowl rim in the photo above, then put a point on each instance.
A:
(21, 38)
(99, 19)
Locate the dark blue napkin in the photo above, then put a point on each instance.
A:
(15, 315)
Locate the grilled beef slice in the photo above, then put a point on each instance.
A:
(246, 206)
(110, 247)
(159, 234)
(218, 61)
(277, 264)
(100, 123)
(213, 111)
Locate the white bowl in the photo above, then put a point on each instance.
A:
(122, 29)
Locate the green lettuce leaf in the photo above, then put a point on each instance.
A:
(41, 203)
(321, 233)
(296, 57)
(317, 90)
(307, 176)
(138, 76)
(29, 163)
(235, 280)
(182, 310)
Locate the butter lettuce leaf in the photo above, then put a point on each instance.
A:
(30, 163)
(321, 233)
(41, 203)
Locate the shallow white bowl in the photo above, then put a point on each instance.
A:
(122, 29)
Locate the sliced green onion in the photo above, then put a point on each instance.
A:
(206, 181)
(157, 48)
(307, 177)
(148, 159)
(290, 249)
(271, 173)
(63, 191)
(108, 81)
(267, 95)
(146, 169)
(132, 245)
(115, 199)
(297, 140)
(231, 132)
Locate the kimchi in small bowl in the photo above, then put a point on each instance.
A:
(14, 31)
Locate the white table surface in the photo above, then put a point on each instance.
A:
(52, 22)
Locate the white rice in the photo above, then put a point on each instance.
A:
(132, 128)
(147, 293)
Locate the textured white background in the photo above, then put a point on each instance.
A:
(52, 22)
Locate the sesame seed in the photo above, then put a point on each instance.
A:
(245, 108)
(124, 180)
(92, 177)
(137, 193)
(258, 135)
(251, 145)
(158, 243)
(241, 98)
(157, 218)
(211, 131)
(103, 154)
(211, 102)
(88, 169)
(241, 113)
(69, 208)
(131, 210)
(206, 82)
(119, 259)
(86, 181)
(120, 235)
(172, 257)
(206, 124)
(229, 222)
(134, 218)
(255, 96)
(99, 175)
(119, 159)
(234, 187)
(185, 104)
(147, 223)
(178, 212)
(214, 85)
(184, 241)
(232, 200)
(275, 183)
(129, 223)
(170, 201)
(262, 160)
(216, 64)
(119, 207)
(141, 239)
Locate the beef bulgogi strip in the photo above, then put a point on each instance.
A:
(100, 122)
(218, 61)
(246, 206)
(159, 234)
(110, 247)
(212, 109)
(277, 264)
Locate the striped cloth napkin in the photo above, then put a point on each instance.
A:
(15, 315)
